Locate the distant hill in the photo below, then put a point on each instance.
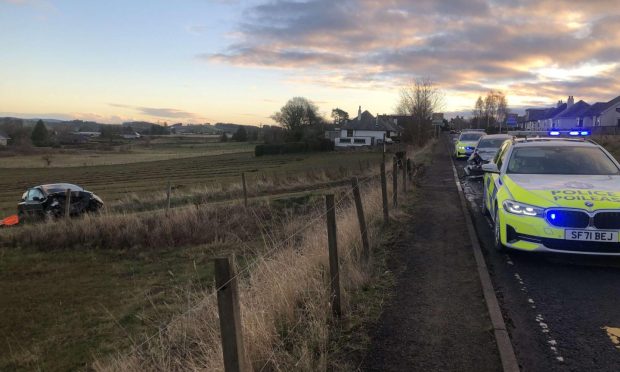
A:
(232, 128)
(142, 127)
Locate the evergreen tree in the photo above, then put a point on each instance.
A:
(40, 136)
(241, 135)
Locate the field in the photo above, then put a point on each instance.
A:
(207, 164)
(67, 303)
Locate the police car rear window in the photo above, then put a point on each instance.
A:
(470, 136)
(571, 160)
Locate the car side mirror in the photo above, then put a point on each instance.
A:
(36, 198)
(490, 168)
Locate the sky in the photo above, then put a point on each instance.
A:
(240, 61)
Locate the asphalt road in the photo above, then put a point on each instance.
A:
(562, 311)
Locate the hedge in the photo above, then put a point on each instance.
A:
(318, 145)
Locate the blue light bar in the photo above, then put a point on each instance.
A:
(554, 133)
(585, 133)
(573, 133)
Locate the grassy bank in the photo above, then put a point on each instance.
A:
(284, 299)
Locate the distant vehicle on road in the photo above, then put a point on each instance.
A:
(48, 201)
(466, 143)
(554, 195)
(485, 150)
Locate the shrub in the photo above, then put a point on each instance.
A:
(315, 145)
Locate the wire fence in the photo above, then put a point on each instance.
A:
(266, 255)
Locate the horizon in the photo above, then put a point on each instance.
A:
(209, 61)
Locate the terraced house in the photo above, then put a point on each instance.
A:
(602, 115)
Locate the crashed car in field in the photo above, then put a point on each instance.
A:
(485, 150)
(49, 201)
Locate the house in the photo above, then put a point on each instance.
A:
(572, 117)
(542, 118)
(603, 114)
(4, 139)
(367, 130)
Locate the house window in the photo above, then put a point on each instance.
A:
(619, 122)
(359, 140)
(345, 140)
(349, 132)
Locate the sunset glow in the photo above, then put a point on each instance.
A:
(239, 61)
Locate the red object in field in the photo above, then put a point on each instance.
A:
(10, 221)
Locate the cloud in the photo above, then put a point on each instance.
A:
(529, 48)
(168, 113)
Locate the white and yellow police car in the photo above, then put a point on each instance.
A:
(466, 143)
(554, 194)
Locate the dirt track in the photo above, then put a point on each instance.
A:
(437, 319)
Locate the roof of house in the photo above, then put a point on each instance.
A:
(575, 111)
(597, 108)
(369, 122)
(545, 113)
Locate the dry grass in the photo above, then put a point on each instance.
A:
(284, 300)
(257, 185)
(181, 226)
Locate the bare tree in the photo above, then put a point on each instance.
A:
(339, 116)
(296, 115)
(479, 111)
(420, 100)
(492, 110)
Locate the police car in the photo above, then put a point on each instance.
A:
(554, 194)
(466, 143)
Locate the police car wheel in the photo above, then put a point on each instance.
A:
(497, 234)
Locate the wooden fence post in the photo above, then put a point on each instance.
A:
(395, 183)
(332, 242)
(68, 203)
(168, 195)
(245, 190)
(362, 220)
(384, 195)
(230, 315)
(409, 170)
(404, 165)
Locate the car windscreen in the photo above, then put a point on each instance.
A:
(572, 160)
(470, 136)
(493, 143)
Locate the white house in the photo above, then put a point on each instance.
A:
(4, 139)
(572, 117)
(603, 114)
(367, 130)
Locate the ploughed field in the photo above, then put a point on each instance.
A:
(114, 182)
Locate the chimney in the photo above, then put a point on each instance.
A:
(570, 102)
(560, 103)
(359, 114)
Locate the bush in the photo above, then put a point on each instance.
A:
(317, 145)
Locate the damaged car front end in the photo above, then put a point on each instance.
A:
(484, 152)
(50, 201)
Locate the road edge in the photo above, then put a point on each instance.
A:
(504, 345)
